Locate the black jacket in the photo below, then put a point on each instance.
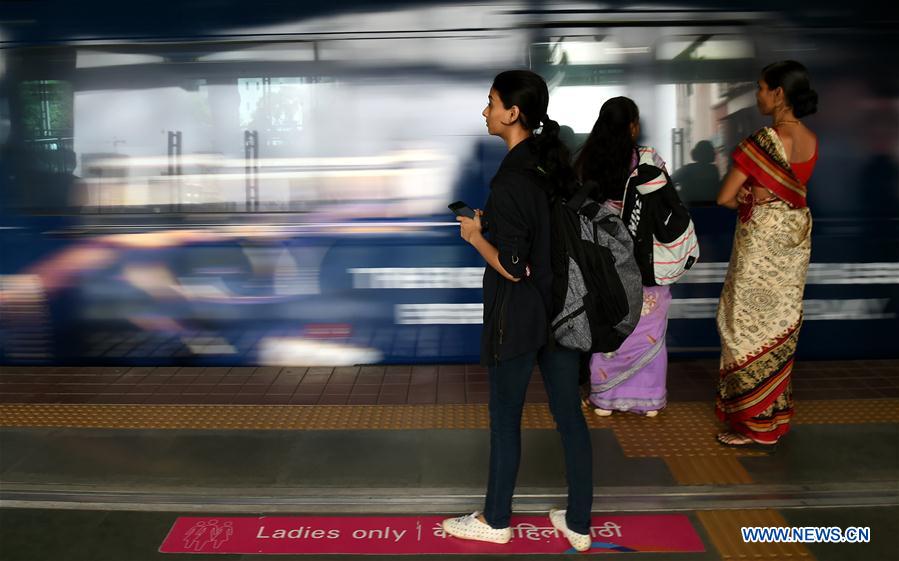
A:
(516, 314)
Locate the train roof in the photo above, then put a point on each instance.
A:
(53, 21)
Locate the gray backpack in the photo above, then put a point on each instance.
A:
(597, 287)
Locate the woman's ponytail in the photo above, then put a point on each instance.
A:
(554, 156)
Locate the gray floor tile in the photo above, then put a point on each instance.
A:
(831, 453)
(85, 456)
(233, 458)
(356, 459)
(18, 444)
(43, 535)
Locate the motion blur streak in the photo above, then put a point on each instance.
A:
(270, 186)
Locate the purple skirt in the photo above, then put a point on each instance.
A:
(633, 377)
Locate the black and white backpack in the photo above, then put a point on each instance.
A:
(665, 242)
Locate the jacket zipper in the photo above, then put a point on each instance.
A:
(500, 324)
(502, 318)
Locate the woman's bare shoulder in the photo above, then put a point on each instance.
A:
(787, 137)
(799, 142)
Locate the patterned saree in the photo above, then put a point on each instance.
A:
(760, 310)
(633, 377)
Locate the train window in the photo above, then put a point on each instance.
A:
(215, 128)
(47, 125)
(704, 47)
(712, 107)
(584, 68)
(689, 82)
(276, 105)
(576, 106)
(582, 51)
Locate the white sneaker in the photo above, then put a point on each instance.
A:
(470, 528)
(602, 412)
(651, 413)
(580, 542)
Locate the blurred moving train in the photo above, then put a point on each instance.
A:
(216, 183)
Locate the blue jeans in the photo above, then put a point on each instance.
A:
(508, 385)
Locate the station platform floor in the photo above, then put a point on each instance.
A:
(99, 463)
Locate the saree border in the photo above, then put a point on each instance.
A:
(761, 352)
(760, 156)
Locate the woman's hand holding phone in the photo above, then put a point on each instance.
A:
(469, 220)
(470, 226)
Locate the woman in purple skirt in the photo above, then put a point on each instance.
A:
(633, 378)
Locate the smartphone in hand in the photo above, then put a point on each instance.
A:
(461, 209)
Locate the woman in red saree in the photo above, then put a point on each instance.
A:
(760, 310)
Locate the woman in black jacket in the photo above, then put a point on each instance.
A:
(517, 310)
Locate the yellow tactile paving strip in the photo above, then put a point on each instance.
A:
(252, 417)
(847, 411)
(707, 470)
(683, 429)
(723, 527)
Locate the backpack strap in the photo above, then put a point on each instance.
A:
(577, 200)
(628, 180)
